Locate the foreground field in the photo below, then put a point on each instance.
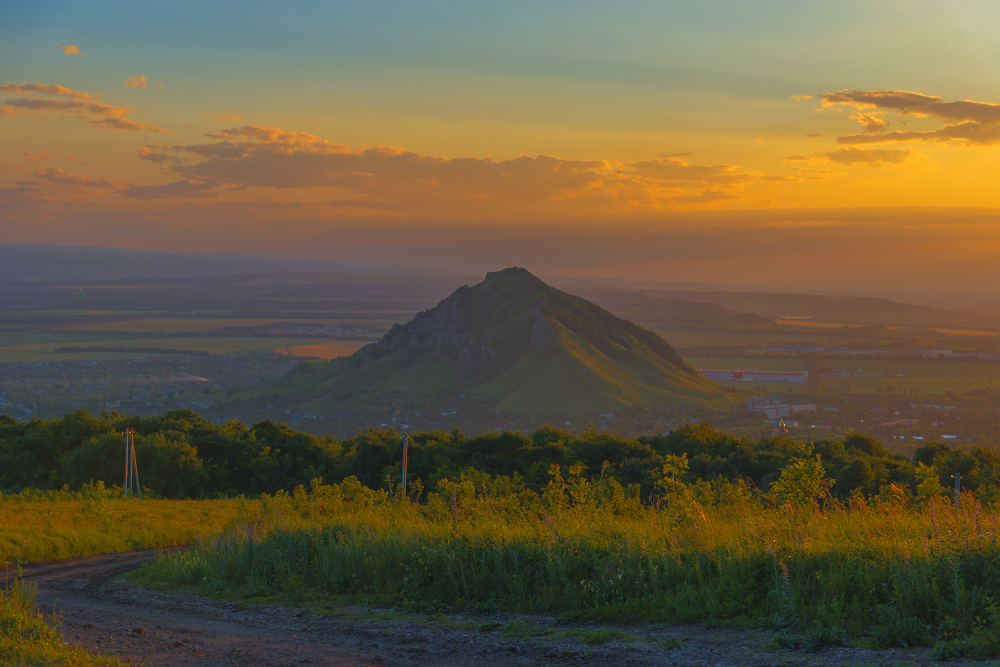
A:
(893, 572)
(183, 629)
(38, 526)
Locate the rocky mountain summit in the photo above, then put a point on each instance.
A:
(513, 344)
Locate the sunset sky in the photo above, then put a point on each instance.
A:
(835, 146)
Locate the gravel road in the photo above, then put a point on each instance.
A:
(165, 629)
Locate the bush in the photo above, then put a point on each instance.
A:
(802, 483)
(897, 631)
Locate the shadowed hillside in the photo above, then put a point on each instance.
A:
(513, 344)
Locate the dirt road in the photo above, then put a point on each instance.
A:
(155, 628)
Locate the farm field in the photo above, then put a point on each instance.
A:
(928, 376)
(196, 324)
(13, 349)
(325, 350)
(692, 339)
(58, 525)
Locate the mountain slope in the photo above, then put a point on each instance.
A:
(513, 344)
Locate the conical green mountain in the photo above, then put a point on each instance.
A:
(512, 344)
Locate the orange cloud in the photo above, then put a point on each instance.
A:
(852, 157)
(871, 122)
(801, 97)
(82, 108)
(60, 177)
(392, 178)
(229, 117)
(69, 49)
(126, 125)
(82, 105)
(178, 189)
(975, 123)
(44, 89)
(136, 82)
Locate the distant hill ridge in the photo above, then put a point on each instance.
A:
(513, 344)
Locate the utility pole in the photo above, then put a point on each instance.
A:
(131, 467)
(128, 461)
(406, 447)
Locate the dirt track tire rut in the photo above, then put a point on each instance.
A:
(148, 627)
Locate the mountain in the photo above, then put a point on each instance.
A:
(660, 313)
(511, 344)
(822, 308)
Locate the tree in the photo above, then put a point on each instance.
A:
(802, 483)
(928, 484)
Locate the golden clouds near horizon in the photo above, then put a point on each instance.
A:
(269, 168)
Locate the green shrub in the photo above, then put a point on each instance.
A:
(897, 631)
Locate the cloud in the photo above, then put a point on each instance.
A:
(875, 157)
(160, 84)
(44, 89)
(975, 123)
(152, 154)
(43, 155)
(815, 136)
(136, 82)
(83, 106)
(872, 122)
(389, 177)
(402, 182)
(228, 117)
(852, 157)
(60, 177)
(675, 170)
(126, 125)
(177, 189)
(705, 197)
(801, 97)
(69, 49)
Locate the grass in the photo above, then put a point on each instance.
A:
(909, 571)
(28, 639)
(36, 526)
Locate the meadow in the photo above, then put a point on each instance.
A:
(898, 569)
(38, 526)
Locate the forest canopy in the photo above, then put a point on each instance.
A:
(182, 455)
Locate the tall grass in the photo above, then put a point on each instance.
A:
(716, 553)
(27, 638)
(56, 525)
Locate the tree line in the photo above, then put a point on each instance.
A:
(182, 455)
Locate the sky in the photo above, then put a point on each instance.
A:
(842, 146)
